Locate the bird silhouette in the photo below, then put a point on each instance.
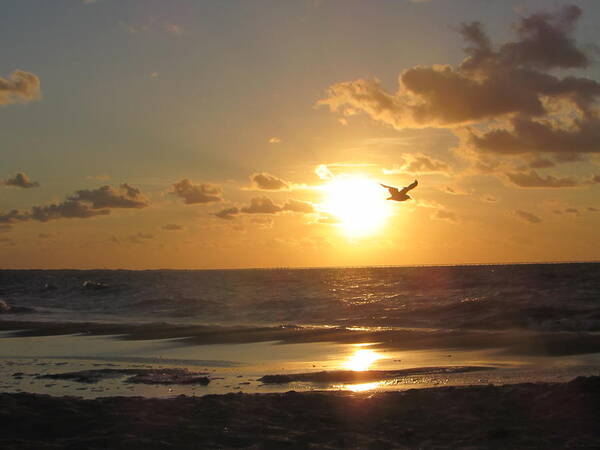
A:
(400, 195)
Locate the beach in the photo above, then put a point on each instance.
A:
(531, 415)
(89, 367)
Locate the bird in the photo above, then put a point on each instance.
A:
(400, 195)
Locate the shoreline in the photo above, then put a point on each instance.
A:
(512, 342)
(528, 415)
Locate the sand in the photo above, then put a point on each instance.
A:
(541, 415)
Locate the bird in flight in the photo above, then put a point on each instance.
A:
(400, 195)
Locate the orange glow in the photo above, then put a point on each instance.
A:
(359, 203)
(362, 360)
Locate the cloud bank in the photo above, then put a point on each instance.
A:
(501, 100)
(82, 204)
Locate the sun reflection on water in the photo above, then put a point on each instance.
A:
(363, 386)
(362, 359)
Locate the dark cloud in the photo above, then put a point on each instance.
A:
(298, 206)
(196, 193)
(595, 179)
(14, 216)
(511, 91)
(541, 163)
(228, 213)
(108, 197)
(20, 86)
(261, 205)
(527, 216)
(592, 209)
(69, 209)
(572, 211)
(21, 180)
(172, 227)
(532, 179)
(268, 182)
(82, 205)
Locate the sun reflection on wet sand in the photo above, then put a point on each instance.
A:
(362, 387)
(362, 359)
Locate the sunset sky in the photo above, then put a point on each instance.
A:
(222, 134)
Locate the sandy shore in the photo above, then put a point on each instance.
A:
(542, 415)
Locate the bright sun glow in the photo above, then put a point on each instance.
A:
(358, 203)
(362, 359)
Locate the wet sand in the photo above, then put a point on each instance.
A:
(510, 341)
(556, 415)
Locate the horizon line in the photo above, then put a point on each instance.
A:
(371, 266)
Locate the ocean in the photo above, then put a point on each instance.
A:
(539, 297)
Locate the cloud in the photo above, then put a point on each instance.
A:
(323, 172)
(83, 204)
(267, 182)
(172, 227)
(275, 140)
(263, 222)
(453, 190)
(532, 179)
(21, 180)
(261, 205)
(527, 216)
(418, 164)
(442, 214)
(196, 193)
(511, 92)
(20, 86)
(298, 206)
(228, 213)
(264, 205)
(541, 163)
(125, 196)
(328, 219)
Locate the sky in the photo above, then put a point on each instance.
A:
(146, 134)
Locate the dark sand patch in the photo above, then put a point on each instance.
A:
(561, 415)
(511, 341)
(352, 376)
(142, 376)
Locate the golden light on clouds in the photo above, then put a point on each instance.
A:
(358, 202)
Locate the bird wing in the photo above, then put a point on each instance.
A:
(409, 187)
(389, 188)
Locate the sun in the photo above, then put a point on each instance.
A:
(358, 203)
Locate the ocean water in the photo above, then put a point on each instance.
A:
(541, 297)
